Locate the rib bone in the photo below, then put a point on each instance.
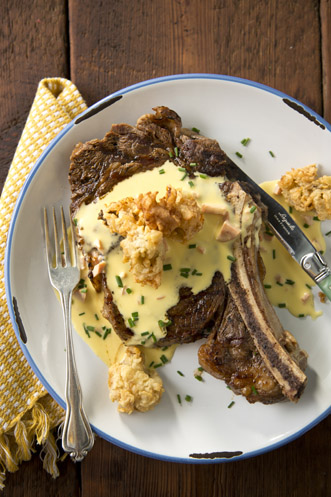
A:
(256, 311)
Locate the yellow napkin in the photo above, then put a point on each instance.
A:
(27, 413)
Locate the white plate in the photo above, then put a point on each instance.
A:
(228, 109)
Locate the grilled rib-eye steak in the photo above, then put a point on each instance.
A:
(247, 345)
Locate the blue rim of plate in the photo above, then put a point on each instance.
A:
(98, 106)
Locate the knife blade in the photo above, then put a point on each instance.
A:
(285, 229)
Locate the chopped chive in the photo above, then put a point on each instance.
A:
(192, 246)
(86, 330)
(131, 322)
(254, 390)
(274, 254)
(308, 286)
(245, 141)
(267, 286)
(135, 314)
(203, 176)
(90, 328)
(231, 258)
(191, 183)
(279, 283)
(119, 281)
(157, 365)
(252, 209)
(193, 164)
(83, 290)
(182, 169)
(328, 233)
(185, 269)
(198, 274)
(196, 130)
(164, 358)
(188, 398)
(271, 153)
(152, 336)
(231, 404)
(306, 225)
(301, 315)
(198, 377)
(106, 333)
(184, 275)
(289, 282)
(161, 171)
(144, 333)
(97, 333)
(316, 218)
(282, 305)
(75, 221)
(179, 399)
(81, 314)
(321, 252)
(238, 154)
(142, 299)
(170, 153)
(180, 373)
(184, 176)
(128, 290)
(163, 324)
(165, 348)
(96, 317)
(176, 151)
(167, 267)
(290, 209)
(200, 368)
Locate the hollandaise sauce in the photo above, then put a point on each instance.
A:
(190, 264)
(286, 283)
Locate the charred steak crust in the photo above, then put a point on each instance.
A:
(98, 165)
(230, 355)
(192, 317)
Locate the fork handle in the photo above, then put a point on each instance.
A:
(77, 437)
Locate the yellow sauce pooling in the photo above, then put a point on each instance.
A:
(202, 255)
(191, 264)
(285, 281)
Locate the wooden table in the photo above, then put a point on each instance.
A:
(102, 47)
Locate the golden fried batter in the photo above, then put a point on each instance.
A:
(131, 385)
(303, 190)
(145, 221)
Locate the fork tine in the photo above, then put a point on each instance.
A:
(56, 240)
(73, 243)
(67, 257)
(48, 243)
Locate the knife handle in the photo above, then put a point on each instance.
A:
(325, 286)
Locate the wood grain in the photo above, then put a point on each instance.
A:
(298, 469)
(276, 43)
(33, 45)
(105, 46)
(326, 56)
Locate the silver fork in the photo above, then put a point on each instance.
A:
(77, 437)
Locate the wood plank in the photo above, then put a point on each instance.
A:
(33, 45)
(31, 480)
(276, 43)
(325, 10)
(276, 474)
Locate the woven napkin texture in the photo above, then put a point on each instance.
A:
(27, 413)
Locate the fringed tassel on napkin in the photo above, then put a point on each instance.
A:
(18, 443)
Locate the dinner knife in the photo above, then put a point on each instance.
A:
(286, 230)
